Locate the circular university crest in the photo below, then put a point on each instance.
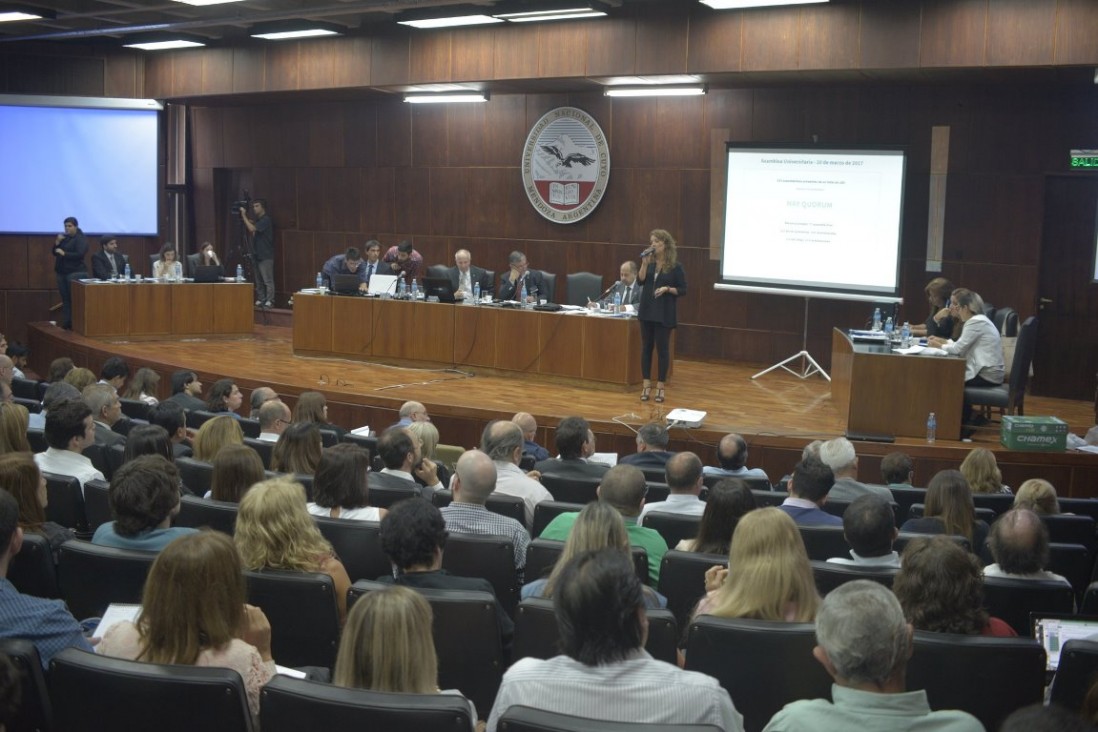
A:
(565, 165)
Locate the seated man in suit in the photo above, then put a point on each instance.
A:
(463, 275)
(575, 444)
(348, 263)
(869, 526)
(399, 450)
(518, 275)
(808, 488)
(652, 451)
(187, 390)
(529, 427)
(628, 287)
(173, 419)
(840, 457)
(106, 412)
(374, 264)
(107, 263)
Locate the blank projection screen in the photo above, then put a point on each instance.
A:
(95, 159)
(813, 222)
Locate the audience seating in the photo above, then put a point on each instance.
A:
(829, 575)
(1073, 563)
(264, 448)
(824, 542)
(197, 417)
(489, 557)
(1012, 600)
(769, 498)
(34, 712)
(37, 440)
(385, 496)
(442, 498)
(987, 515)
(838, 508)
(66, 502)
(762, 664)
(1065, 529)
(1079, 506)
(366, 443)
(301, 608)
(32, 570)
(329, 438)
(509, 506)
(536, 632)
(1089, 606)
(250, 427)
(358, 546)
(467, 640)
(1075, 674)
(986, 677)
(100, 691)
(657, 492)
(673, 527)
(583, 287)
(999, 503)
(682, 580)
(1009, 397)
(755, 484)
(25, 389)
(135, 409)
(904, 497)
(116, 455)
(527, 719)
(98, 456)
(197, 513)
(91, 577)
(97, 505)
(546, 511)
(292, 705)
(33, 406)
(448, 455)
(197, 475)
(571, 490)
(306, 482)
(904, 537)
(654, 475)
(542, 556)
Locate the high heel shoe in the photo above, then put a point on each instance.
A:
(659, 396)
(645, 392)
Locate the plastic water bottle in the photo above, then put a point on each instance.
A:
(126, 274)
(617, 301)
(905, 335)
(476, 293)
(877, 319)
(239, 273)
(889, 327)
(522, 294)
(931, 428)
(400, 287)
(415, 289)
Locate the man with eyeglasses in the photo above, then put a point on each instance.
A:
(274, 418)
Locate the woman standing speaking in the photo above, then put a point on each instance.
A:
(663, 282)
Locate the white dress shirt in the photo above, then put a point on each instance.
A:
(511, 481)
(67, 462)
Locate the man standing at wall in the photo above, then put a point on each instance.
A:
(263, 245)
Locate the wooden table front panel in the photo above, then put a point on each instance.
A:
(150, 308)
(394, 329)
(234, 313)
(193, 309)
(561, 339)
(517, 346)
(313, 321)
(352, 325)
(100, 309)
(611, 350)
(433, 336)
(475, 336)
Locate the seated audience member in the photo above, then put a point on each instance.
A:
(869, 526)
(148, 439)
(224, 397)
(474, 481)
(107, 263)
(114, 373)
(21, 478)
(215, 434)
(69, 429)
(298, 450)
(941, 589)
(387, 646)
(260, 396)
(56, 393)
(413, 536)
(808, 488)
(623, 488)
(575, 444)
(235, 469)
(144, 498)
(427, 436)
(728, 501)
(897, 470)
(652, 451)
(340, 487)
(14, 420)
(412, 412)
(45, 623)
(1038, 496)
(399, 451)
(168, 266)
(1019, 545)
(7, 368)
(463, 276)
(173, 419)
(313, 407)
(275, 531)
(981, 471)
(732, 458)
(684, 479)
(404, 261)
(6, 394)
(864, 644)
(503, 442)
(519, 274)
(19, 355)
(143, 386)
(59, 368)
(529, 427)
(839, 455)
(274, 418)
(598, 526)
(193, 614)
(949, 510)
(348, 263)
(106, 412)
(771, 577)
(81, 378)
(187, 390)
(1052, 718)
(599, 604)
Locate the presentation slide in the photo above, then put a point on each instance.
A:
(99, 165)
(823, 221)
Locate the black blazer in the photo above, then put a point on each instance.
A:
(101, 264)
(662, 309)
(534, 280)
(476, 274)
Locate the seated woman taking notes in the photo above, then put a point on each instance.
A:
(979, 343)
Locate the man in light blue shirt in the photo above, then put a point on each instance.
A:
(732, 456)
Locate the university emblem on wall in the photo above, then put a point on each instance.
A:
(565, 165)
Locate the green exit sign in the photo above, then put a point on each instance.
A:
(1084, 158)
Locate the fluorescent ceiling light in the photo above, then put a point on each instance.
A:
(164, 45)
(13, 15)
(302, 33)
(735, 4)
(655, 91)
(451, 22)
(652, 80)
(452, 98)
(534, 16)
(206, 2)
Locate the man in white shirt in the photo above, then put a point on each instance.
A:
(502, 441)
(114, 373)
(732, 456)
(274, 418)
(1019, 545)
(869, 526)
(69, 429)
(684, 478)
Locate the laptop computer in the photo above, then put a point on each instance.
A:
(1053, 630)
(439, 287)
(345, 284)
(383, 284)
(208, 273)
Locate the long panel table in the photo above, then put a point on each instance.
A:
(883, 393)
(598, 351)
(158, 309)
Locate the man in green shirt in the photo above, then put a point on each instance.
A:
(622, 487)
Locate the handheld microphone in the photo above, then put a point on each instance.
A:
(647, 251)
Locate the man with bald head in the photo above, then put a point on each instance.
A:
(529, 427)
(463, 276)
(412, 412)
(502, 442)
(732, 458)
(260, 396)
(684, 479)
(1019, 545)
(475, 480)
(7, 369)
(274, 418)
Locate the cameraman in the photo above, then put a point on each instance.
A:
(263, 230)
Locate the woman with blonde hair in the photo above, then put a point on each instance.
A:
(1038, 496)
(298, 450)
(235, 469)
(143, 386)
(215, 434)
(663, 282)
(275, 531)
(770, 577)
(20, 476)
(14, 419)
(193, 613)
(979, 344)
(598, 526)
(427, 434)
(949, 510)
(982, 472)
(80, 378)
(313, 407)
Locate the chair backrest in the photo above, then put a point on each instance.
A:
(137, 695)
(358, 546)
(97, 505)
(550, 293)
(368, 443)
(489, 557)
(904, 537)
(1024, 350)
(250, 427)
(986, 677)
(754, 483)
(519, 718)
(657, 491)
(999, 503)
(781, 670)
(1080, 506)
(291, 705)
(982, 513)
(66, 501)
(197, 417)
(193, 261)
(438, 270)
(682, 580)
(824, 542)
(1089, 606)
(1073, 562)
(32, 405)
(1012, 600)
(571, 490)
(91, 577)
(116, 455)
(329, 438)
(34, 712)
(509, 506)
(904, 497)
(32, 570)
(1066, 529)
(264, 448)
(37, 440)
(829, 575)
(25, 389)
(673, 527)
(448, 455)
(542, 555)
(197, 512)
(467, 640)
(196, 474)
(546, 511)
(583, 287)
(384, 496)
(764, 498)
(301, 607)
(1075, 674)
(135, 409)
(1006, 321)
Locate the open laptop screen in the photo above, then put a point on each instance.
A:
(1053, 630)
(383, 284)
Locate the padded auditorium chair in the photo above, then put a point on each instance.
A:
(301, 608)
(34, 712)
(1009, 398)
(32, 570)
(1076, 672)
(1012, 600)
(489, 557)
(97, 505)
(673, 527)
(519, 718)
(197, 512)
(542, 556)
(91, 577)
(546, 511)
(66, 502)
(829, 575)
(682, 580)
(358, 546)
(756, 484)
(571, 490)
(583, 287)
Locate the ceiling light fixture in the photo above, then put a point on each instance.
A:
(13, 13)
(453, 16)
(206, 2)
(521, 12)
(163, 41)
(450, 98)
(739, 4)
(288, 29)
(655, 91)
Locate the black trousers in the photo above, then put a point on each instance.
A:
(64, 286)
(654, 335)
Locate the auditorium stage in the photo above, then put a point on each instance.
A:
(777, 413)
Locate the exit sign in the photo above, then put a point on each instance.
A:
(1084, 158)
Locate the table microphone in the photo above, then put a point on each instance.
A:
(608, 290)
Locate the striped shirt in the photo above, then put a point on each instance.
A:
(469, 518)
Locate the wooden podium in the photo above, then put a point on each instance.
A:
(884, 393)
(160, 309)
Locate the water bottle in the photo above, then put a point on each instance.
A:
(931, 428)
(889, 327)
(476, 293)
(239, 273)
(400, 287)
(905, 335)
(617, 301)
(126, 274)
(877, 320)
(415, 289)
(522, 294)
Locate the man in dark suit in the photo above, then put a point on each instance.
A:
(575, 444)
(511, 284)
(106, 411)
(463, 276)
(399, 450)
(187, 390)
(652, 451)
(374, 264)
(69, 251)
(107, 263)
(628, 287)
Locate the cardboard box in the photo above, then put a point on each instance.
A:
(1045, 434)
